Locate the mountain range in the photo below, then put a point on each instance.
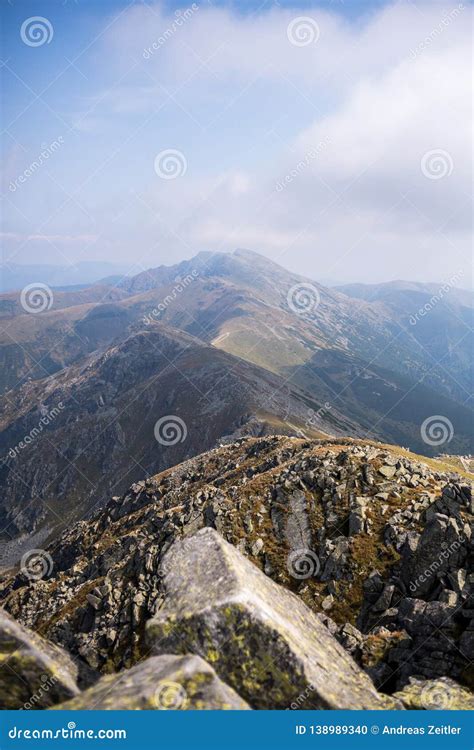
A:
(115, 381)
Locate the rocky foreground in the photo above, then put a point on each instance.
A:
(269, 573)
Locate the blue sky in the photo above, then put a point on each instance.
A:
(342, 153)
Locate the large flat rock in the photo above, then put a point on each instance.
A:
(160, 683)
(260, 638)
(33, 672)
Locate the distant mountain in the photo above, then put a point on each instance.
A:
(231, 344)
(440, 319)
(15, 276)
(394, 291)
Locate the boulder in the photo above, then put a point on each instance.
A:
(33, 673)
(160, 683)
(261, 639)
(439, 549)
(358, 516)
(387, 471)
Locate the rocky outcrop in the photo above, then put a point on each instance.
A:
(160, 683)
(260, 638)
(428, 597)
(317, 517)
(33, 673)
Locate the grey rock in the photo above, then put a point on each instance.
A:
(260, 638)
(387, 471)
(94, 601)
(34, 673)
(327, 602)
(160, 683)
(439, 548)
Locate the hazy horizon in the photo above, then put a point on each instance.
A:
(333, 139)
(129, 269)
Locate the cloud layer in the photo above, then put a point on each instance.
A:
(345, 157)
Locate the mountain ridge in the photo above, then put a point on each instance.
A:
(347, 526)
(253, 359)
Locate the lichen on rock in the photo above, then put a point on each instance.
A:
(261, 638)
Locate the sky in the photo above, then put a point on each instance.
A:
(333, 137)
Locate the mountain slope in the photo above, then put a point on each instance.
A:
(92, 427)
(440, 319)
(222, 341)
(358, 356)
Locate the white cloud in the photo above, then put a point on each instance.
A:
(370, 97)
